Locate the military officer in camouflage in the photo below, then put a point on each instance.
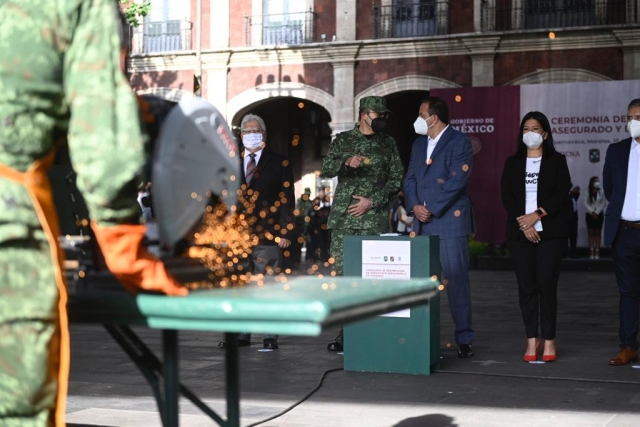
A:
(60, 76)
(369, 171)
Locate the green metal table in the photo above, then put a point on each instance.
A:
(300, 306)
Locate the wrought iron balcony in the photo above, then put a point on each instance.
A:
(280, 29)
(507, 15)
(420, 18)
(164, 36)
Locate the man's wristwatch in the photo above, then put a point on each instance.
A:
(540, 213)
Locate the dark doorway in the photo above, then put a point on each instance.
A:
(404, 106)
(296, 128)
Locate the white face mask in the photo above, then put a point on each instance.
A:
(252, 140)
(634, 128)
(532, 140)
(420, 126)
(596, 184)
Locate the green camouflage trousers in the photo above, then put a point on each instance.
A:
(336, 248)
(29, 349)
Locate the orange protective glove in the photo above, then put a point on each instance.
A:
(130, 261)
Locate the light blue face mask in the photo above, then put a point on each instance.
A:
(252, 140)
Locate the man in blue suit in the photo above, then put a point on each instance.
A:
(621, 180)
(436, 191)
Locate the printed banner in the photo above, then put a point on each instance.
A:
(489, 116)
(585, 118)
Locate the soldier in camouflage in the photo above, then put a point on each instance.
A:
(369, 171)
(60, 76)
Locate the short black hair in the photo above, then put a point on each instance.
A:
(634, 103)
(547, 145)
(438, 107)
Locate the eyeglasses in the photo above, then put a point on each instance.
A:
(251, 130)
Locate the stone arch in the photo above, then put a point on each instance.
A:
(275, 90)
(401, 84)
(559, 75)
(168, 93)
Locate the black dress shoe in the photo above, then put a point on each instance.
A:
(335, 346)
(241, 343)
(465, 351)
(270, 343)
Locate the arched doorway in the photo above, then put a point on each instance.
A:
(296, 128)
(404, 106)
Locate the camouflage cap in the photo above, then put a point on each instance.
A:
(375, 103)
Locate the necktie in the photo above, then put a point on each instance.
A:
(251, 168)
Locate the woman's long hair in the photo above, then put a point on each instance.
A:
(547, 145)
(592, 197)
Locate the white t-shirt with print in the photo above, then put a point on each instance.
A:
(531, 187)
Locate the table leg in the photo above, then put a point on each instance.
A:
(233, 380)
(170, 373)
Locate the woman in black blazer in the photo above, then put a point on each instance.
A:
(535, 188)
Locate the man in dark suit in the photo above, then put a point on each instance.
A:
(435, 189)
(621, 180)
(269, 205)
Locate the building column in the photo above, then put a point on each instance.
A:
(482, 51)
(630, 40)
(517, 14)
(442, 12)
(219, 24)
(216, 67)
(343, 96)
(346, 13)
(633, 11)
(484, 15)
(256, 23)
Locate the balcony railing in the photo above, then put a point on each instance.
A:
(421, 18)
(165, 36)
(507, 15)
(280, 29)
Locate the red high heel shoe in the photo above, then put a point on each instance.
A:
(550, 357)
(532, 357)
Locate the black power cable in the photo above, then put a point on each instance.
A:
(324, 374)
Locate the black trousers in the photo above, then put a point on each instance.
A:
(537, 268)
(626, 262)
(573, 233)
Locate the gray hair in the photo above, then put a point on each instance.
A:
(253, 117)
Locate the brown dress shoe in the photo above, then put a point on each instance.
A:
(627, 355)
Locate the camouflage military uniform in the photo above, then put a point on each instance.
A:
(379, 178)
(56, 57)
(303, 205)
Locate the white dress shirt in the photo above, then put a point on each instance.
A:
(597, 205)
(247, 158)
(432, 143)
(631, 207)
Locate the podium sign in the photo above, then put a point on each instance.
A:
(407, 341)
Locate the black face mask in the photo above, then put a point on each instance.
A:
(379, 124)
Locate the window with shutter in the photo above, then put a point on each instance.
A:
(412, 18)
(164, 29)
(284, 22)
(559, 13)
